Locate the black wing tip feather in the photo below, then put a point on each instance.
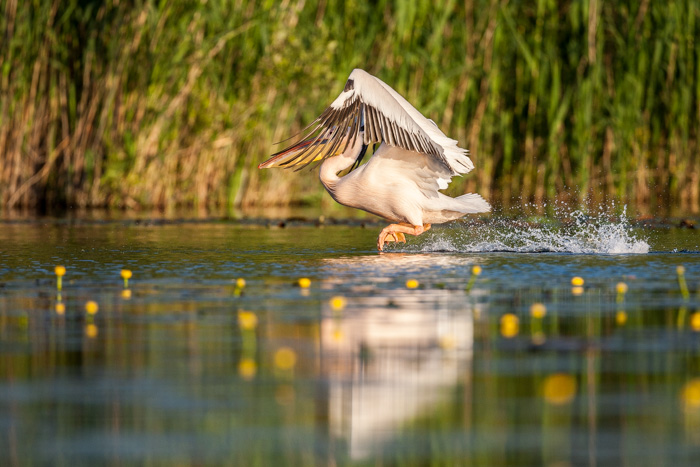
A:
(333, 124)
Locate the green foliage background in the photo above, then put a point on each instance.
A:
(158, 103)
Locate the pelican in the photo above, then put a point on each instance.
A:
(402, 180)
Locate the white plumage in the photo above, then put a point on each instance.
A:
(402, 179)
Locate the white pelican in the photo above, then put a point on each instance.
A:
(402, 179)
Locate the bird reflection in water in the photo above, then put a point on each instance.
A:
(389, 356)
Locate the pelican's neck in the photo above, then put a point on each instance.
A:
(331, 166)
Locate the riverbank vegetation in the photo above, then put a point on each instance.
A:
(137, 103)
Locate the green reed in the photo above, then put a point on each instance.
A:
(145, 103)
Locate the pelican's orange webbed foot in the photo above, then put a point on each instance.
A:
(395, 233)
(395, 237)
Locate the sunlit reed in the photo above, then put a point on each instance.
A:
(560, 99)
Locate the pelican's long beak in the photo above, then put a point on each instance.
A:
(285, 158)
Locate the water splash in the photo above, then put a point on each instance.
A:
(580, 233)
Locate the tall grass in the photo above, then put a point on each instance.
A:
(156, 103)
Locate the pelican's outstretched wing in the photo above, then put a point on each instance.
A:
(369, 103)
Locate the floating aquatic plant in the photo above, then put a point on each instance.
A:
(91, 307)
(126, 275)
(247, 368)
(240, 285)
(337, 303)
(60, 272)
(285, 358)
(91, 330)
(476, 271)
(510, 325)
(621, 289)
(247, 320)
(695, 321)
(680, 270)
(621, 318)
(577, 281)
(538, 310)
(690, 394)
(559, 388)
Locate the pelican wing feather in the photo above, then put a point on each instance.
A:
(370, 104)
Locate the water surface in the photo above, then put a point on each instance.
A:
(187, 367)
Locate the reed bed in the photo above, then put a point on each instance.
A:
(143, 103)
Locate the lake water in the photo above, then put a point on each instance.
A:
(187, 367)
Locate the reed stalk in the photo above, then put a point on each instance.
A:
(143, 103)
